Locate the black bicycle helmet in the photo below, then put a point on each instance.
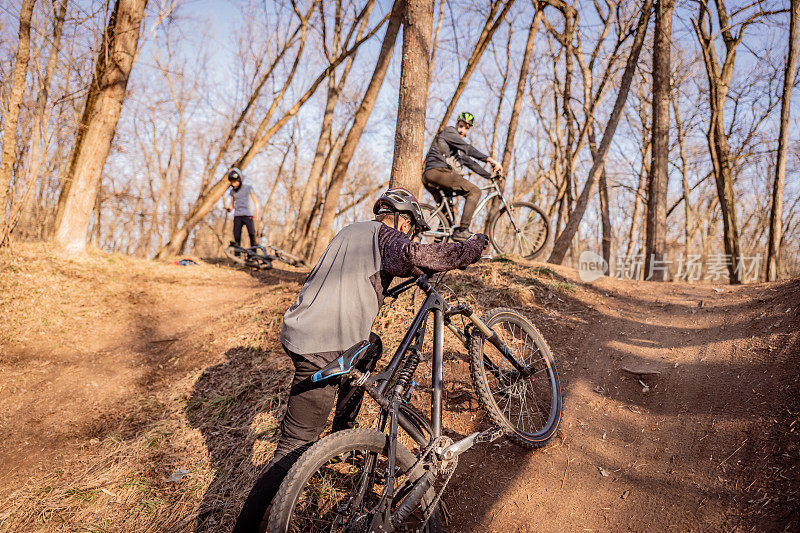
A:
(234, 173)
(468, 118)
(400, 201)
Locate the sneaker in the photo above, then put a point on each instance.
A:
(461, 234)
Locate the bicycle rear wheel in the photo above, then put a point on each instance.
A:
(527, 408)
(440, 229)
(326, 490)
(526, 235)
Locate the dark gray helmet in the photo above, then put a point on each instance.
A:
(400, 200)
(234, 174)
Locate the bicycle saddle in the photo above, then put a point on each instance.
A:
(344, 363)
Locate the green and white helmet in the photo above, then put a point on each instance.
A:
(468, 118)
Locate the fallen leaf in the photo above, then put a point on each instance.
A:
(177, 475)
(625, 494)
(603, 471)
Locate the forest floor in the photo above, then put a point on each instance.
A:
(145, 396)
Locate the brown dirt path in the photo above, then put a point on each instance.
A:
(710, 442)
(119, 373)
(85, 340)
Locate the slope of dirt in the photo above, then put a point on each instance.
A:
(138, 396)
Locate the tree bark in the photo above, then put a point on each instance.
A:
(98, 124)
(22, 57)
(658, 182)
(776, 211)
(409, 136)
(357, 128)
(564, 240)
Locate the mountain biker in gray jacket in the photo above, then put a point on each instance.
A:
(448, 154)
(239, 202)
(335, 310)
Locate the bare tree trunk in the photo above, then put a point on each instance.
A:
(489, 28)
(334, 91)
(12, 114)
(658, 182)
(99, 121)
(409, 136)
(357, 128)
(513, 122)
(776, 211)
(35, 156)
(208, 198)
(564, 240)
(719, 79)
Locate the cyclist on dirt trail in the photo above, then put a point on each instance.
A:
(239, 202)
(335, 311)
(448, 154)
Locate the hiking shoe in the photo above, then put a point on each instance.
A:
(461, 234)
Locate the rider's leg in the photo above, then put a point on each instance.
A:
(306, 413)
(251, 231)
(447, 179)
(238, 222)
(349, 399)
(473, 195)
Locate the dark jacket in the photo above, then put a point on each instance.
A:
(449, 150)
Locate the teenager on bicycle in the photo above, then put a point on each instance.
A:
(239, 202)
(334, 311)
(448, 154)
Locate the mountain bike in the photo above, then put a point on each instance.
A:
(258, 257)
(516, 227)
(365, 480)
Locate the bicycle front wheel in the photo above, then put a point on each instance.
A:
(236, 255)
(528, 408)
(440, 229)
(522, 230)
(336, 484)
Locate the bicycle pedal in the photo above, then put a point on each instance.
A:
(490, 435)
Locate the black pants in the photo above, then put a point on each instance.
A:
(442, 178)
(306, 413)
(240, 221)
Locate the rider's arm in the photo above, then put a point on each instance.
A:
(257, 206)
(476, 168)
(227, 202)
(403, 258)
(457, 142)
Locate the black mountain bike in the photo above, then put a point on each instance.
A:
(365, 480)
(258, 257)
(516, 228)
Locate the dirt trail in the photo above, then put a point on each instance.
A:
(704, 437)
(680, 402)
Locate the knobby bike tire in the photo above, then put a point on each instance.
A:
(440, 229)
(229, 252)
(295, 497)
(533, 225)
(249, 260)
(528, 409)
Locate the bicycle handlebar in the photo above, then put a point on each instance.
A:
(400, 288)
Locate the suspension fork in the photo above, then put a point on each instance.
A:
(488, 333)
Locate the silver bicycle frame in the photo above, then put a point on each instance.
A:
(495, 193)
